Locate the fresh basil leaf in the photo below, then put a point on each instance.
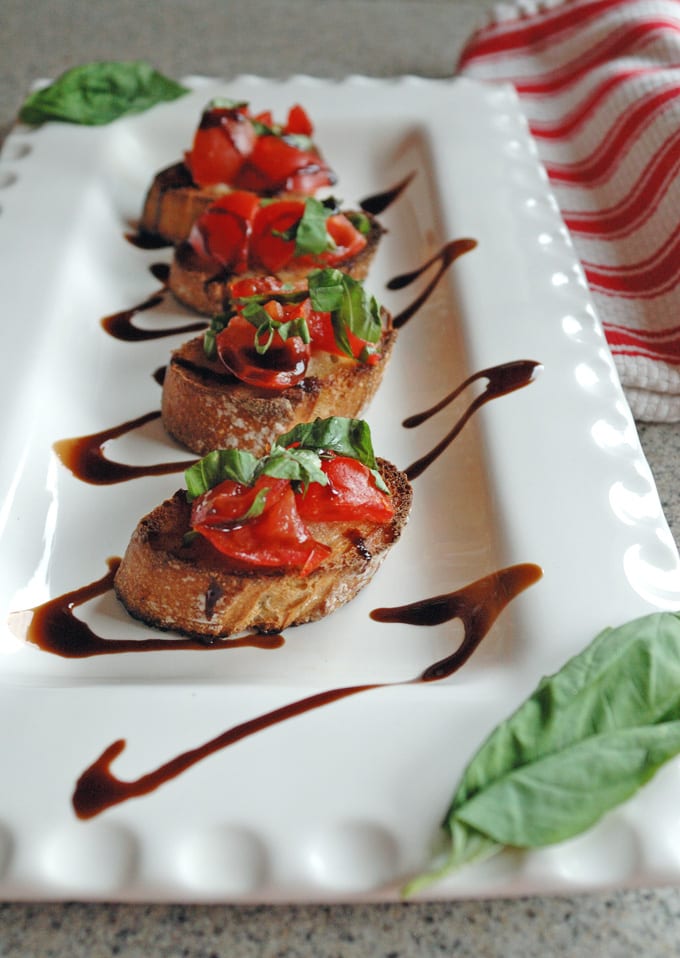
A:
(264, 325)
(360, 221)
(584, 741)
(297, 465)
(351, 307)
(220, 464)
(100, 92)
(311, 235)
(257, 505)
(217, 324)
(345, 437)
(558, 796)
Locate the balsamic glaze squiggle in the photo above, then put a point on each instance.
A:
(476, 605)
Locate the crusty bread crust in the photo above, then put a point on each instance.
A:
(173, 203)
(208, 292)
(204, 408)
(191, 589)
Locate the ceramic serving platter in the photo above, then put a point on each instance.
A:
(341, 801)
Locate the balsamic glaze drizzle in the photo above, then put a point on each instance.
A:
(120, 325)
(84, 456)
(379, 202)
(502, 380)
(54, 628)
(476, 605)
(447, 255)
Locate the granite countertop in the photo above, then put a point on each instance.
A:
(325, 38)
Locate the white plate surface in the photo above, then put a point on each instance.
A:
(344, 802)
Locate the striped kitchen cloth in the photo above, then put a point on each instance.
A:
(599, 83)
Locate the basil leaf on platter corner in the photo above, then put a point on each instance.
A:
(584, 741)
(97, 93)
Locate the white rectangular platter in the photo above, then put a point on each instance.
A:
(341, 802)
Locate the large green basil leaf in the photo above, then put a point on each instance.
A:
(584, 741)
(99, 92)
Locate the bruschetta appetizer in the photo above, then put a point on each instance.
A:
(284, 353)
(266, 543)
(242, 235)
(234, 149)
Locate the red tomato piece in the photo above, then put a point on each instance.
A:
(347, 238)
(273, 252)
(222, 232)
(323, 338)
(222, 143)
(284, 363)
(351, 494)
(298, 121)
(277, 538)
(277, 160)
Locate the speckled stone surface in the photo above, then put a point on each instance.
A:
(328, 38)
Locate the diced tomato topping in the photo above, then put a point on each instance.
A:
(239, 233)
(276, 161)
(298, 121)
(347, 238)
(222, 144)
(266, 118)
(270, 250)
(227, 149)
(222, 233)
(284, 363)
(323, 339)
(351, 493)
(277, 538)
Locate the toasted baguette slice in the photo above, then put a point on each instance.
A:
(208, 292)
(191, 589)
(173, 202)
(204, 407)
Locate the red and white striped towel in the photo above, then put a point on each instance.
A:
(599, 83)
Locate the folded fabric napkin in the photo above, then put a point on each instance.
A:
(599, 83)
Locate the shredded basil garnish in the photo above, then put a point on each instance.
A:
(295, 456)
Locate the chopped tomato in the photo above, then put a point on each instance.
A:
(276, 161)
(272, 251)
(351, 493)
(266, 118)
(276, 538)
(347, 238)
(228, 149)
(284, 363)
(238, 232)
(222, 232)
(269, 249)
(222, 143)
(323, 338)
(298, 121)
